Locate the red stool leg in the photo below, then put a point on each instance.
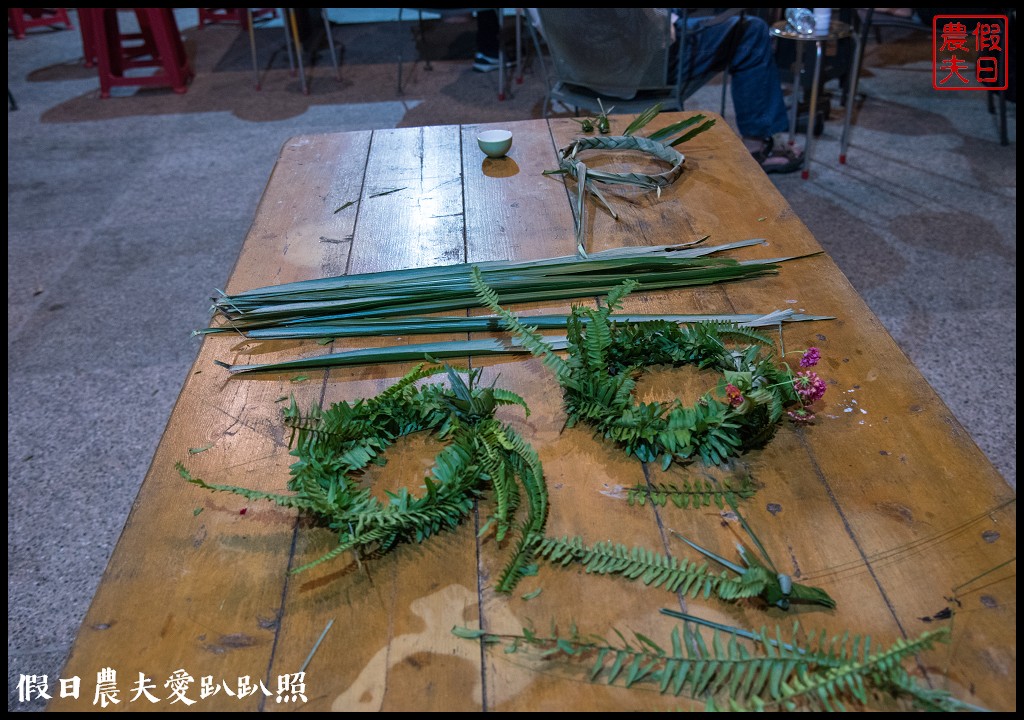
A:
(107, 44)
(171, 50)
(60, 15)
(16, 21)
(86, 25)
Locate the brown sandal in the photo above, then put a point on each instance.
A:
(774, 159)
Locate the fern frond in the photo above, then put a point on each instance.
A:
(696, 494)
(530, 474)
(616, 295)
(506, 492)
(418, 372)
(326, 557)
(507, 397)
(652, 568)
(839, 682)
(531, 339)
(737, 332)
(596, 341)
(283, 500)
(773, 673)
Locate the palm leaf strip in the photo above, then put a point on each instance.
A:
(376, 327)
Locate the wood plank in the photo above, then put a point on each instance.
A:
(892, 460)
(590, 479)
(390, 647)
(196, 579)
(528, 212)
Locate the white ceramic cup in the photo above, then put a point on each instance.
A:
(495, 143)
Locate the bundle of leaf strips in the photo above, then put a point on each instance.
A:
(606, 357)
(420, 291)
(334, 446)
(815, 673)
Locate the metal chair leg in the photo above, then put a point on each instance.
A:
(288, 39)
(812, 110)
(293, 27)
(252, 49)
(539, 52)
(330, 42)
(400, 36)
(725, 88)
(851, 98)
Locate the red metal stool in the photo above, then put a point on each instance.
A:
(156, 45)
(21, 19)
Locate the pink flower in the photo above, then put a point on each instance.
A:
(810, 358)
(801, 415)
(809, 386)
(733, 395)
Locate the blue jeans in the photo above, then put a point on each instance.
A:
(712, 44)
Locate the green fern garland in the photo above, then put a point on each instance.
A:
(335, 445)
(605, 358)
(744, 671)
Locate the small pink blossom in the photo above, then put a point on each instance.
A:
(810, 358)
(801, 415)
(809, 386)
(733, 395)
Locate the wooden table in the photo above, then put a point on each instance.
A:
(885, 502)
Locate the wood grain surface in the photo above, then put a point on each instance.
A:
(885, 501)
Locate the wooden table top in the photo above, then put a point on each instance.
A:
(885, 502)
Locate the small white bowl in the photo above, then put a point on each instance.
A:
(495, 143)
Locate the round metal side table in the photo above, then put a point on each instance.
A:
(836, 31)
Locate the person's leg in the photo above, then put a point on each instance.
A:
(708, 42)
(756, 88)
(744, 46)
(488, 33)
